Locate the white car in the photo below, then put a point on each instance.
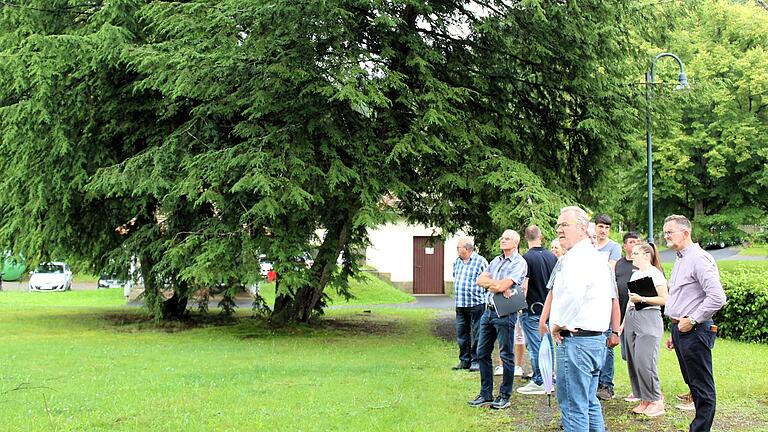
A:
(51, 276)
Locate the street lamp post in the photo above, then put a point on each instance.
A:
(649, 84)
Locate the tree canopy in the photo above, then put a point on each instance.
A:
(196, 136)
(711, 141)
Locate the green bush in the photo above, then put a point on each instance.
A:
(745, 316)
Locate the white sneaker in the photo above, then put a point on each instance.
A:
(498, 370)
(518, 371)
(532, 389)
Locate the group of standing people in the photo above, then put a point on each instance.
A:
(578, 295)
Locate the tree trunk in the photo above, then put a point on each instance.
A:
(698, 208)
(160, 307)
(175, 307)
(298, 304)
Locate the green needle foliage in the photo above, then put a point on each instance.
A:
(195, 136)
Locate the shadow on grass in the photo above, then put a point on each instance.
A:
(254, 327)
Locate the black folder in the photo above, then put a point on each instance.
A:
(508, 306)
(643, 287)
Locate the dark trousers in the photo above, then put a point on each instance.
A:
(694, 353)
(467, 325)
(493, 328)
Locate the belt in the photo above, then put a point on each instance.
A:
(580, 332)
(490, 307)
(712, 328)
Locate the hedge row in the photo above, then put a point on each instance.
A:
(745, 316)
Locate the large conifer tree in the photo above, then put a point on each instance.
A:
(211, 132)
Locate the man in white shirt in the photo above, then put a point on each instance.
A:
(579, 310)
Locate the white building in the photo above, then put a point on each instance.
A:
(413, 256)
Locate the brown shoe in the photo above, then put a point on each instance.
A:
(684, 397)
(605, 393)
(687, 406)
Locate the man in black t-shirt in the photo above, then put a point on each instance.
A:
(540, 264)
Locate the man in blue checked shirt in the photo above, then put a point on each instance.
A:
(470, 301)
(506, 272)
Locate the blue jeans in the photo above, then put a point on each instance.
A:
(493, 328)
(530, 323)
(467, 326)
(579, 360)
(606, 373)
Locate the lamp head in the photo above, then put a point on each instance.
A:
(683, 80)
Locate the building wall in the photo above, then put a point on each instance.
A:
(391, 251)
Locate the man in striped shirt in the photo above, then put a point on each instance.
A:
(470, 301)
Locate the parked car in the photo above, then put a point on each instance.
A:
(265, 264)
(51, 276)
(109, 281)
(720, 236)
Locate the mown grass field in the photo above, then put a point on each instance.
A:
(366, 290)
(755, 251)
(82, 361)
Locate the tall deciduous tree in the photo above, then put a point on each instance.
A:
(212, 132)
(711, 141)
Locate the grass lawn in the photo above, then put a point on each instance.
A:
(81, 361)
(754, 251)
(368, 290)
(85, 278)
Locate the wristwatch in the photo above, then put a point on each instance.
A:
(693, 321)
(615, 332)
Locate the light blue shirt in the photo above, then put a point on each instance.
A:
(513, 267)
(612, 250)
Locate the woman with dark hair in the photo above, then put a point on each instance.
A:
(643, 329)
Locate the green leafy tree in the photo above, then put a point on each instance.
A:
(710, 145)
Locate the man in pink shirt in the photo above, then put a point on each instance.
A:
(695, 295)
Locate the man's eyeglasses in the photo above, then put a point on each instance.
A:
(669, 233)
(565, 224)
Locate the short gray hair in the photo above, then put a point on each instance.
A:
(581, 215)
(514, 234)
(680, 220)
(467, 243)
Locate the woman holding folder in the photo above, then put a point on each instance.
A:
(643, 329)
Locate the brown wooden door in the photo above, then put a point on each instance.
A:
(428, 255)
